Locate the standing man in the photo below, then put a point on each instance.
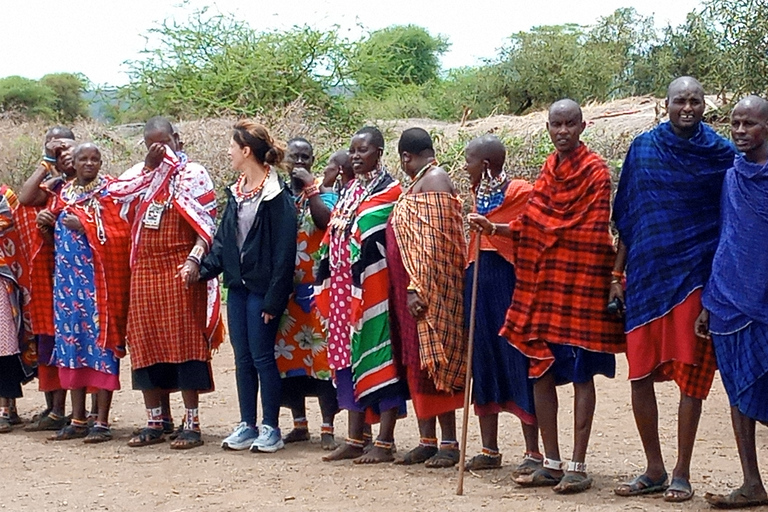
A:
(301, 339)
(667, 212)
(558, 316)
(735, 296)
(426, 253)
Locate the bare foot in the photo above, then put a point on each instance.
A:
(343, 452)
(375, 455)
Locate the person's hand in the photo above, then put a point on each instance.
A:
(479, 223)
(53, 147)
(155, 156)
(267, 317)
(72, 222)
(45, 219)
(701, 326)
(416, 305)
(303, 175)
(189, 272)
(616, 291)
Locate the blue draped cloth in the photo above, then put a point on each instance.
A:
(667, 212)
(737, 291)
(75, 306)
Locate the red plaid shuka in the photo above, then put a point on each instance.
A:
(564, 260)
(39, 255)
(109, 236)
(429, 230)
(14, 266)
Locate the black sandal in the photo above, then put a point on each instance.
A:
(69, 432)
(187, 439)
(97, 435)
(146, 437)
(418, 455)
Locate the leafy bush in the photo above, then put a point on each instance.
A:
(27, 97)
(395, 56)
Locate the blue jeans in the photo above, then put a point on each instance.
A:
(253, 342)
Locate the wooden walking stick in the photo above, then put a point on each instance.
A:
(468, 379)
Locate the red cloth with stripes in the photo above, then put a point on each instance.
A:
(166, 321)
(39, 254)
(564, 260)
(110, 261)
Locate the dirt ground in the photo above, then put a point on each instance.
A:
(42, 475)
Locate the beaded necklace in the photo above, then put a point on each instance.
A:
(85, 195)
(490, 192)
(344, 215)
(238, 189)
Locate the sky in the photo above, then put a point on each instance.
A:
(96, 37)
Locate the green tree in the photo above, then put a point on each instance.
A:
(622, 41)
(551, 62)
(25, 96)
(396, 55)
(68, 89)
(741, 65)
(216, 64)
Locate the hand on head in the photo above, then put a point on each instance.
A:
(155, 155)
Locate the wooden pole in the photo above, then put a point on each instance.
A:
(468, 379)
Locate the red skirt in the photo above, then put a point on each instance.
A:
(166, 321)
(428, 405)
(669, 349)
(48, 378)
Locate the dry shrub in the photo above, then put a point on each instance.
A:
(610, 129)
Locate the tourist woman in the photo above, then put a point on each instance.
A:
(255, 249)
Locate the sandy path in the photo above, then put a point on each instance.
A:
(41, 475)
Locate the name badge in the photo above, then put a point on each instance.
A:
(153, 215)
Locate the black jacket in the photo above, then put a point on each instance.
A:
(267, 261)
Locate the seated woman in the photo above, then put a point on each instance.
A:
(91, 289)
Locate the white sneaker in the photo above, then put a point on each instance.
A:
(269, 440)
(241, 438)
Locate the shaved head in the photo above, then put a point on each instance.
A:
(566, 106)
(755, 104)
(159, 124)
(84, 146)
(684, 83)
(341, 158)
(489, 147)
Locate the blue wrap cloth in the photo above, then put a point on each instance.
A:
(667, 212)
(737, 291)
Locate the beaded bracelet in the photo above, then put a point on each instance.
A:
(617, 273)
(493, 230)
(196, 254)
(311, 191)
